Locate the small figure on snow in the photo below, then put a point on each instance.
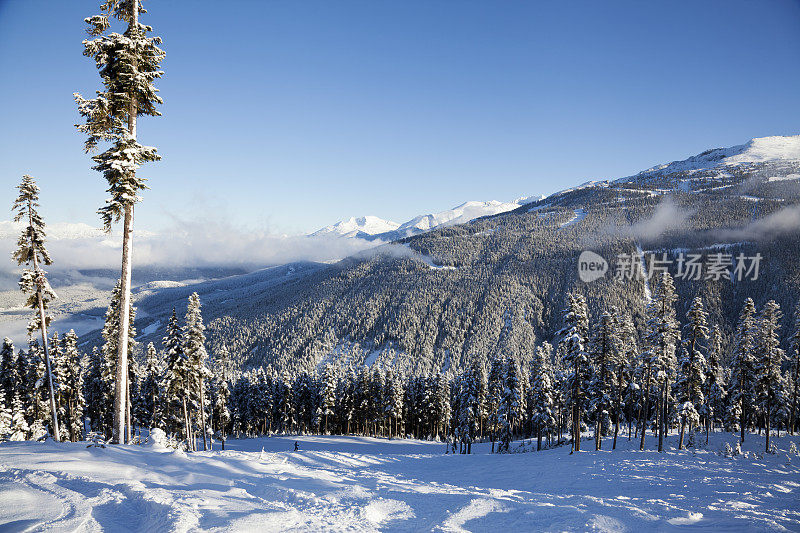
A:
(296, 446)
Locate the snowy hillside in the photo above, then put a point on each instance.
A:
(758, 150)
(775, 149)
(367, 484)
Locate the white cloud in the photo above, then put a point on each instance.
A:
(667, 216)
(187, 243)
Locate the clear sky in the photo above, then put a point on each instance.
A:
(291, 115)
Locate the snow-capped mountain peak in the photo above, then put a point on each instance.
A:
(458, 215)
(374, 228)
(354, 226)
(758, 150)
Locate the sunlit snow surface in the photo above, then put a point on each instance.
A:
(364, 484)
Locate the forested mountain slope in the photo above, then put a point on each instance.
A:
(498, 284)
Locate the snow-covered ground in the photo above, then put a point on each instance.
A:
(579, 215)
(364, 484)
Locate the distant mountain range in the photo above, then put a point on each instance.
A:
(372, 228)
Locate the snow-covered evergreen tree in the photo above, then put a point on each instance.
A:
(541, 397)
(110, 352)
(628, 376)
(6, 417)
(394, 399)
(663, 334)
(221, 414)
(128, 63)
(573, 346)
(19, 425)
(605, 353)
(37, 398)
(481, 381)
(794, 371)
(12, 371)
(98, 388)
(467, 410)
(769, 383)
(150, 390)
(32, 253)
(692, 368)
(177, 381)
(72, 386)
(741, 390)
(328, 394)
(441, 404)
(512, 405)
(715, 387)
(494, 396)
(60, 386)
(195, 349)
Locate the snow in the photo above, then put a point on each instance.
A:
(524, 200)
(458, 215)
(785, 178)
(578, 215)
(367, 484)
(428, 260)
(758, 150)
(151, 328)
(390, 231)
(353, 226)
(585, 185)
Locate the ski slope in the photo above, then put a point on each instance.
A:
(365, 484)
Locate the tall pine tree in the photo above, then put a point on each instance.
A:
(794, 370)
(693, 368)
(743, 363)
(32, 253)
(195, 349)
(128, 64)
(574, 344)
(662, 336)
(769, 390)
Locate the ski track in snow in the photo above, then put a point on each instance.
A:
(578, 215)
(365, 484)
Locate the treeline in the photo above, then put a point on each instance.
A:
(604, 377)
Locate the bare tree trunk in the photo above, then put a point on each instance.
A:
(662, 410)
(125, 283)
(617, 408)
(796, 380)
(203, 414)
(598, 429)
(128, 412)
(186, 426)
(43, 328)
(644, 409)
(768, 417)
(743, 414)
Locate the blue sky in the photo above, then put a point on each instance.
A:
(291, 115)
